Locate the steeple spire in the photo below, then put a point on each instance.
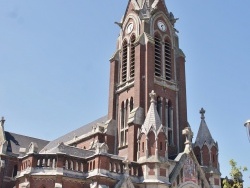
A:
(204, 135)
(153, 120)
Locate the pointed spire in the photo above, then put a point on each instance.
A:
(153, 120)
(204, 135)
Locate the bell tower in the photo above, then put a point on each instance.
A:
(147, 58)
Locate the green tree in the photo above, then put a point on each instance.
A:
(236, 180)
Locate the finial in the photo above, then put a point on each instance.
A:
(2, 121)
(189, 135)
(202, 112)
(152, 96)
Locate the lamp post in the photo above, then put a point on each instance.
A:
(247, 125)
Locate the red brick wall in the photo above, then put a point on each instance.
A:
(161, 144)
(197, 154)
(151, 144)
(163, 172)
(205, 155)
(216, 181)
(214, 157)
(151, 169)
(143, 146)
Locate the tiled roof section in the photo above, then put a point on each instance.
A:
(76, 133)
(204, 136)
(16, 141)
(71, 151)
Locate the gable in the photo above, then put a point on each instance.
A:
(125, 183)
(187, 171)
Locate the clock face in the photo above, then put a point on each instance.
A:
(161, 25)
(130, 28)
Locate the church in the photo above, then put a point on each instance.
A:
(144, 141)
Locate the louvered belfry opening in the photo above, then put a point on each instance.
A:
(167, 60)
(157, 56)
(124, 60)
(132, 57)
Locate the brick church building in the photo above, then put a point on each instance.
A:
(145, 140)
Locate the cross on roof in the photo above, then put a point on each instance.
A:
(152, 96)
(2, 121)
(202, 112)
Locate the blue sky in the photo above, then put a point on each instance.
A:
(54, 62)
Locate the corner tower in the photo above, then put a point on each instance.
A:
(147, 58)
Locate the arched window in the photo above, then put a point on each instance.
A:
(167, 51)
(93, 168)
(124, 123)
(110, 167)
(159, 106)
(126, 112)
(124, 60)
(122, 116)
(170, 125)
(14, 171)
(158, 56)
(131, 104)
(132, 57)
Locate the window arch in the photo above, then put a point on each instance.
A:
(169, 121)
(131, 104)
(124, 60)
(124, 123)
(159, 106)
(168, 66)
(93, 165)
(15, 169)
(158, 55)
(132, 57)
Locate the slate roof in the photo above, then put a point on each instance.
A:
(153, 120)
(16, 141)
(75, 133)
(204, 135)
(71, 151)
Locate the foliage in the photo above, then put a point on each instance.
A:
(236, 180)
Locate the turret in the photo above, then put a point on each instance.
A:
(206, 151)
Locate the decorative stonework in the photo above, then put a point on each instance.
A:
(189, 170)
(189, 135)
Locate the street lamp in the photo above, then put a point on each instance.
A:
(247, 125)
